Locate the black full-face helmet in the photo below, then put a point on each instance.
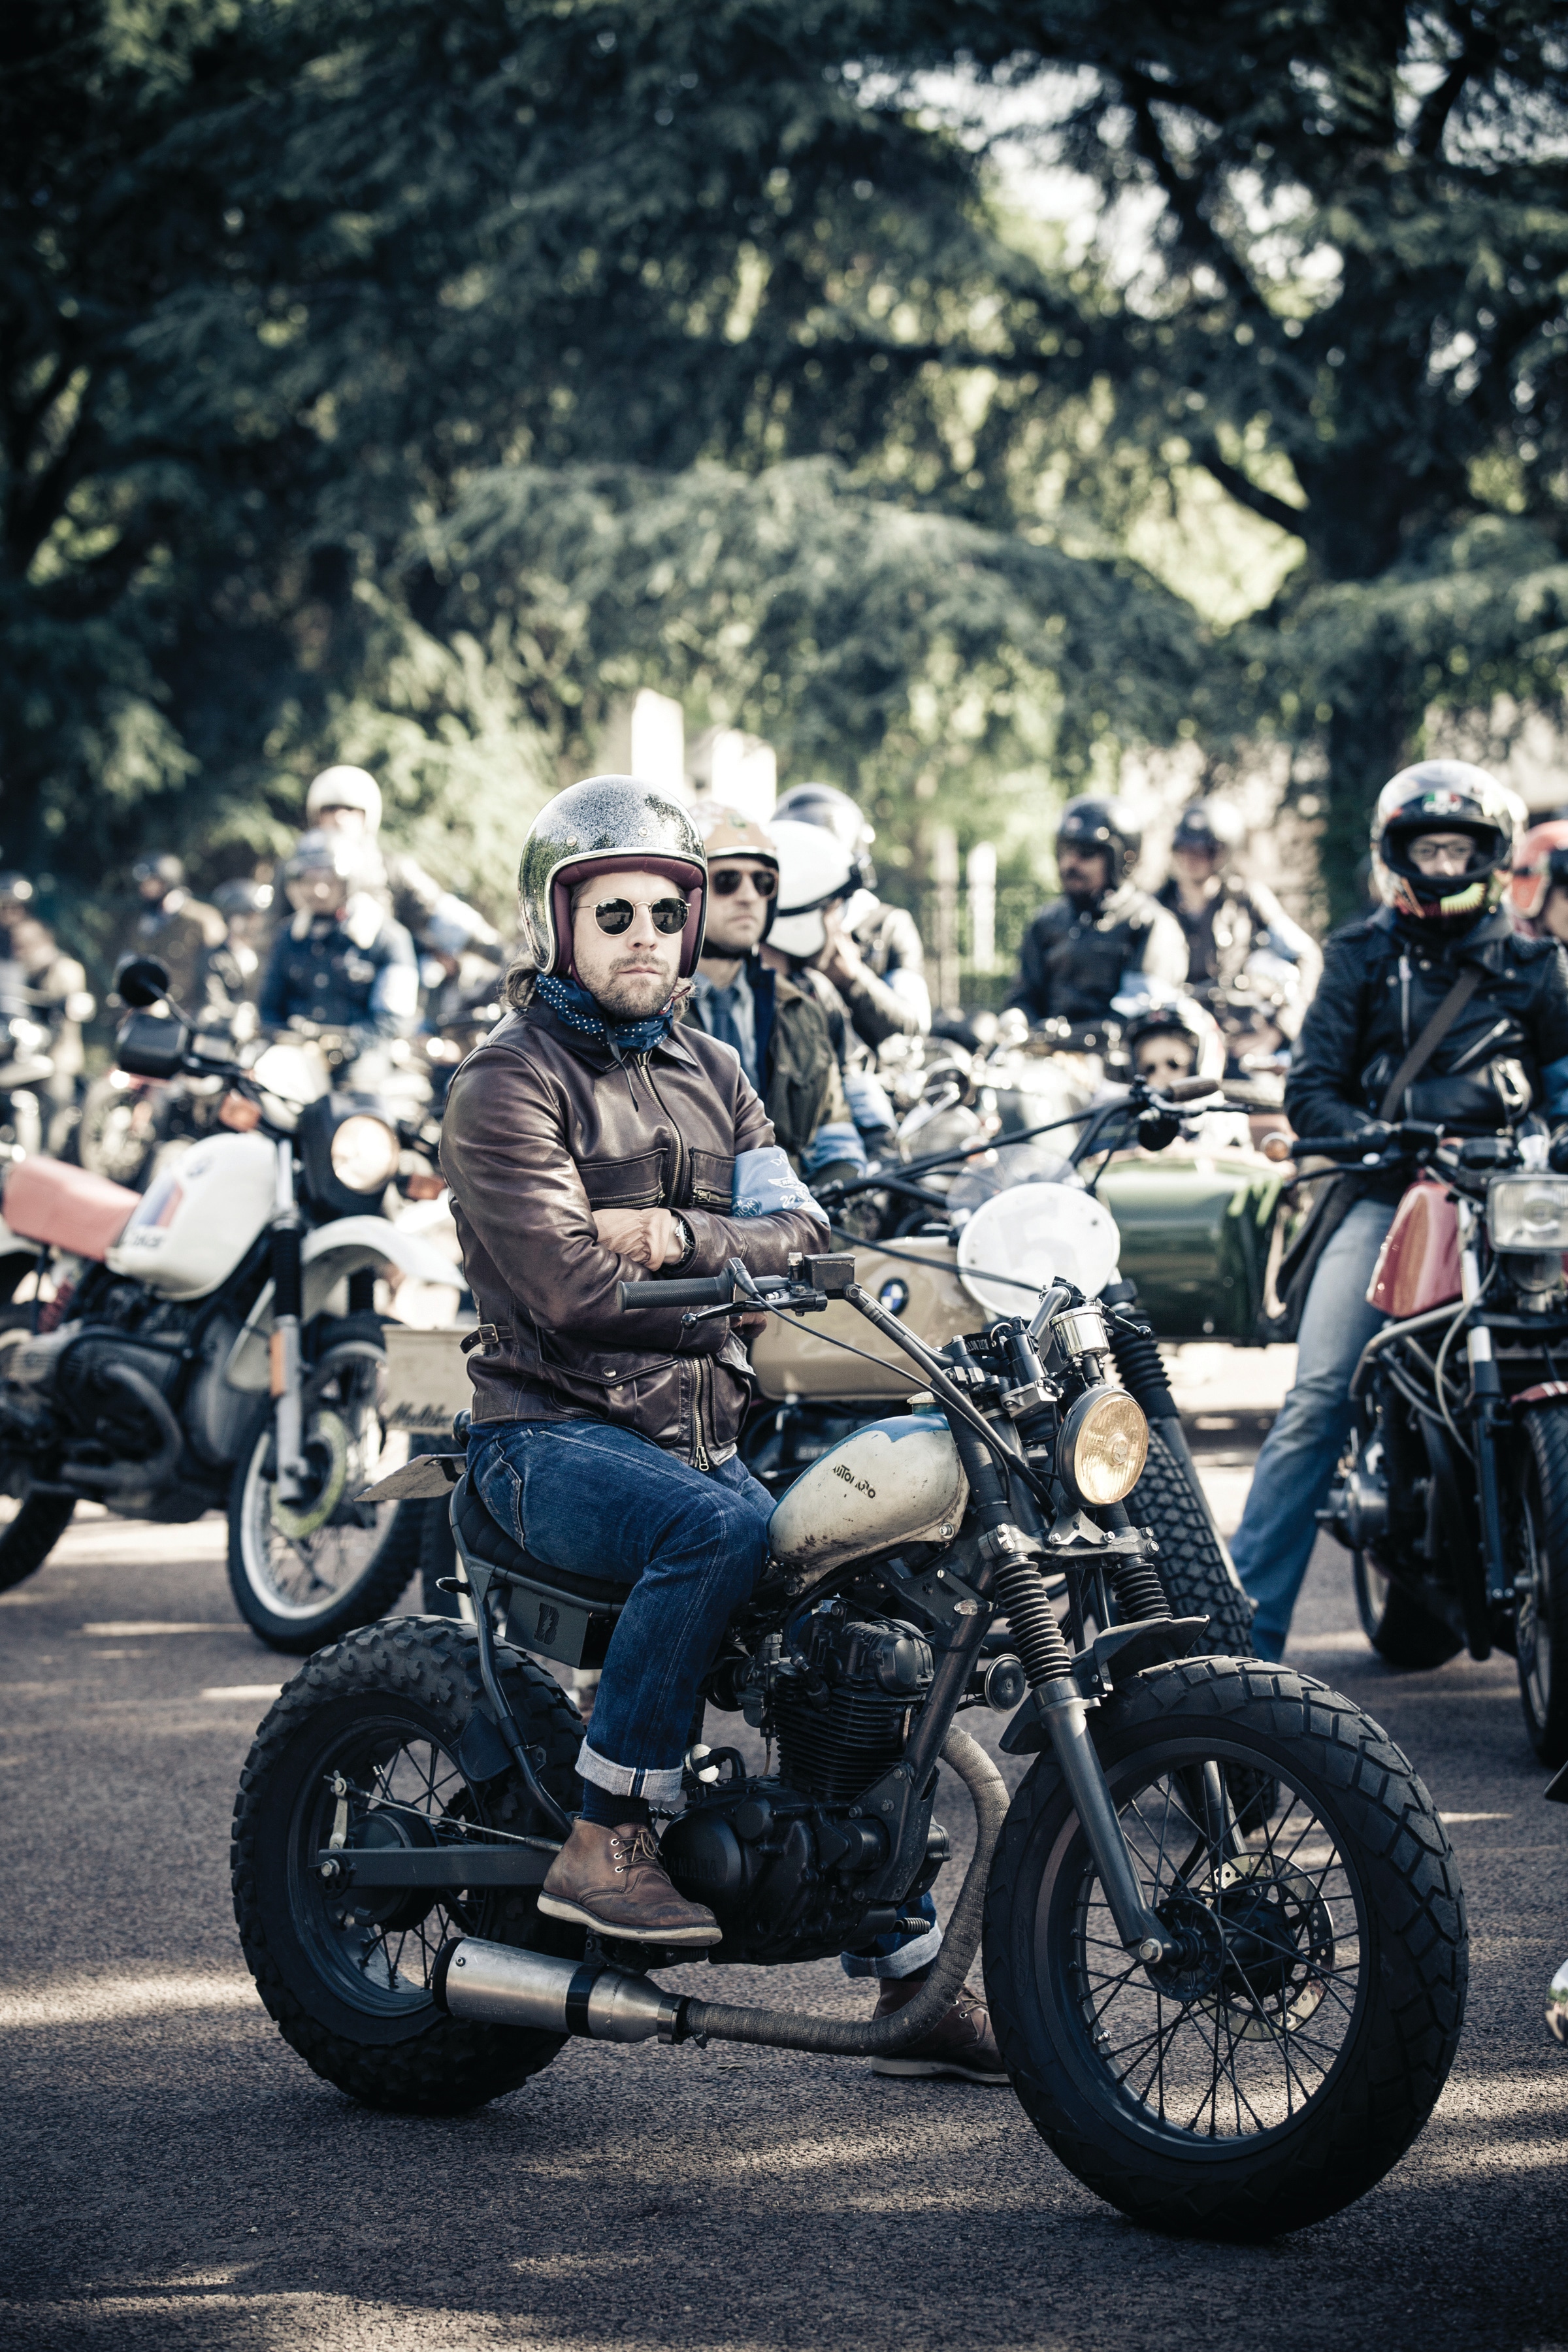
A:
(602, 824)
(825, 805)
(1091, 822)
(1213, 828)
(1444, 796)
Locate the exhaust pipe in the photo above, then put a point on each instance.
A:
(503, 1986)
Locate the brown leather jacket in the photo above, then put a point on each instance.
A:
(542, 1127)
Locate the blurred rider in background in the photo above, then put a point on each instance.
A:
(172, 926)
(874, 957)
(234, 970)
(748, 999)
(1228, 922)
(56, 986)
(348, 801)
(341, 962)
(1103, 938)
(1539, 891)
(1442, 842)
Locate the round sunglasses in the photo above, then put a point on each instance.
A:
(725, 881)
(614, 915)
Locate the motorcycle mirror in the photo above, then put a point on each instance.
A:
(142, 981)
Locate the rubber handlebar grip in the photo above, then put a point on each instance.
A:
(703, 1290)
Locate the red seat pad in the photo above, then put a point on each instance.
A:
(46, 1200)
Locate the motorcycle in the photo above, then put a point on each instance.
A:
(1224, 1942)
(1452, 1494)
(1002, 1219)
(30, 1113)
(212, 1342)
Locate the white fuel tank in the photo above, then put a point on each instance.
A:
(198, 1220)
(892, 1482)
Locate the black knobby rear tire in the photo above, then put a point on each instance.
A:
(35, 1527)
(392, 2047)
(1192, 1569)
(1404, 1633)
(1377, 2024)
(1542, 1585)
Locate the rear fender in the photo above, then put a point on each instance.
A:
(327, 1255)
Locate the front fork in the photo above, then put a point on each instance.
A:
(1493, 1591)
(287, 1360)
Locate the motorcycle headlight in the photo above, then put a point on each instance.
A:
(1104, 1445)
(1528, 1212)
(365, 1153)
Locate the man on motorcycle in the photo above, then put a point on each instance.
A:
(1103, 937)
(746, 998)
(594, 1138)
(342, 962)
(1227, 921)
(348, 801)
(1539, 893)
(1442, 842)
(873, 957)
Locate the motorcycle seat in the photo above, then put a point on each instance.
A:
(549, 1611)
(69, 1208)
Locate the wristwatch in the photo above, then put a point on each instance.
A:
(686, 1237)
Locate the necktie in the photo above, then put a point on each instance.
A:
(723, 1022)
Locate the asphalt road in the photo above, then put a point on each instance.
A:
(174, 2177)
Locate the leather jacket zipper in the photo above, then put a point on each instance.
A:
(678, 1169)
(1498, 1029)
(700, 1455)
(1405, 1002)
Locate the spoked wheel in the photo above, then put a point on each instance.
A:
(1540, 1583)
(379, 1743)
(1400, 1629)
(308, 1571)
(1278, 2068)
(118, 1133)
(1199, 1580)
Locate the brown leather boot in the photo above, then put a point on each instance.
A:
(961, 2044)
(613, 1881)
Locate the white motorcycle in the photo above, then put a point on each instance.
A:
(214, 1342)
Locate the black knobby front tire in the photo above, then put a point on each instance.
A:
(1192, 1569)
(1380, 2032)
(1542, 1584)
(393, 2047)
(1404, 1633)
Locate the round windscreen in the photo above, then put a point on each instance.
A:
(1017, 1245)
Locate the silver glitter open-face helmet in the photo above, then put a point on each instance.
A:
(604, 822)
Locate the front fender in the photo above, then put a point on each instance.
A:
(328, 1255)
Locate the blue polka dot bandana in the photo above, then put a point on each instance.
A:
(572, 1004)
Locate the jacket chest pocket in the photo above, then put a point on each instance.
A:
(712, 1180)
(635, 1182)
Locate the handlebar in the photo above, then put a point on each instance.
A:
(700, 1290)
(1409, 1137)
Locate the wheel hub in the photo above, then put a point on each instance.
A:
(393, 1907)
(327, 1461)
(1194, 1972)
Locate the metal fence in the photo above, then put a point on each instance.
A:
(971, 928)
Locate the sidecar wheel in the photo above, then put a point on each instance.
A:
(1197, 1579)
(346, 1978)
(1278, 2071)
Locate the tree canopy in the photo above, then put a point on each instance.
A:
(399, 380)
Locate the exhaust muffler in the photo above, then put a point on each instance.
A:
(503, 1986)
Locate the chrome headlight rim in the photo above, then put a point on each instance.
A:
(1511, 1198)
(1089, 1481)
(365, 1153)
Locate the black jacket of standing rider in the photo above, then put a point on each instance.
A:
(1074, 957)
(1507, 1052)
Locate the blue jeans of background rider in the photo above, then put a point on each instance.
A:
(689, 1545)
(1295, 1469)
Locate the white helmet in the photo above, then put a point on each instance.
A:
(346, 788)
(815, 868)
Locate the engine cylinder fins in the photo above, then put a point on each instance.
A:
(498, 1984)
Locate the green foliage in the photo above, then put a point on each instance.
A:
(731, 363)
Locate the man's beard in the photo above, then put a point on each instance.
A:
(635, 995)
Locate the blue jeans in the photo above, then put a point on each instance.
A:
(1296, 1466)
(690, 1546)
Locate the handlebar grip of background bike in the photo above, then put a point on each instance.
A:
(1189, 1089)
(703, 1290)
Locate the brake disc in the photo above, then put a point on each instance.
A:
(327, 1456)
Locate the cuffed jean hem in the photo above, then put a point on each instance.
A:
(661, 1789)
(895, 1960)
